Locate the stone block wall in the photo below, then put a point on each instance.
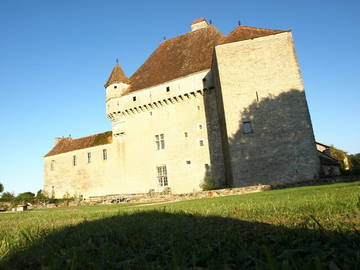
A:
(267, 122)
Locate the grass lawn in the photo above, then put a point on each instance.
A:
(315, 227)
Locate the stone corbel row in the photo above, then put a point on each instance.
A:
(157, 104)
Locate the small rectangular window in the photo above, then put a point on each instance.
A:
(198, 107)
(200, 126)
(74, 160)
(186, 134)
(160, 141)
(168, 89)
(104, 154)
(134, 98)
(52, 165)
(247, 128)
(89, 157)
(188, 162)
(201, 142)
(162, 175)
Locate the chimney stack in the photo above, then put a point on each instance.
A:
(198, 24)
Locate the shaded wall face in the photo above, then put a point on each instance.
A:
(268, 126)
(217, 169)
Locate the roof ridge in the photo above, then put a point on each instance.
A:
(244, 32)
(259, 28)
(74, 139)
(177, 57)
(66, 145)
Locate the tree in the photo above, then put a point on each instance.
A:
(340, 156)
(25, 197)
(41, 196)
(355, 163)
(1, 187)
(7, 196)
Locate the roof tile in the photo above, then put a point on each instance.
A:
(117, 75)
(177, 57)
(68, 144)
(247, 32)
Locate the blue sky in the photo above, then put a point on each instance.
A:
(55, 57)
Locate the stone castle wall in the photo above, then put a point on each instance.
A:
(256, 81)
(267, 122)
(133, 155)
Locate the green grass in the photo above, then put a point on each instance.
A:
(314, 227)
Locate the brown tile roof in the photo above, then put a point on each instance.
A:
(117, 75)
(68, 144)
(247, 32)
(199, 20)
(186, 54)
(177, 57)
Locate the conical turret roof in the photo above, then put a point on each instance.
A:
(117, 75)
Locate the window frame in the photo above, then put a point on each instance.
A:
(247, 127)
(162, 176)
(52, 165)
(160, 141)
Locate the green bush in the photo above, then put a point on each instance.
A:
(208, 184)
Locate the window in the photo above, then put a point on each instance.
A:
(162, 176)
(74, 160)
(115, 86)
(134, 98)
(52, 165)
(160, 141)
(247, 128)
(188, 162)
(168, 89)
(104, 154)
(200, 126)
(186, 134)
(89, 157)
(198, 107)
(201, 142)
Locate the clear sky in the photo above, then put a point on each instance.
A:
(55, 57)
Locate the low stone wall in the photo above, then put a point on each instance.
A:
(167, 196)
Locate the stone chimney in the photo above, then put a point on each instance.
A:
(198, 24)
(59, 139)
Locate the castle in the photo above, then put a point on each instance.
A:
(204, 108)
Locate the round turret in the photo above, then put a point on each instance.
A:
(117, 83)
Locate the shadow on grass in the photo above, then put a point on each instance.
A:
(163, 240)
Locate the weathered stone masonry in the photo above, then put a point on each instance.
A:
(229, 108)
